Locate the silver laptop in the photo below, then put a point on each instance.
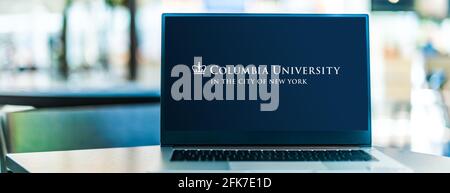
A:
(267, 93)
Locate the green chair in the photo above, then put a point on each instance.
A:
(75, 128)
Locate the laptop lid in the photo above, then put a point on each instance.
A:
(265, 79)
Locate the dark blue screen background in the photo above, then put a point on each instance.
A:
(327, 103)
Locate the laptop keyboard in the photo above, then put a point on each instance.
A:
(271, 155)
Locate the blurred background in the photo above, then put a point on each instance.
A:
(78, 45)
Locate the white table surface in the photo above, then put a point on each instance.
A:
(139, 159)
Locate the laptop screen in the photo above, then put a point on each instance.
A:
(237, 78)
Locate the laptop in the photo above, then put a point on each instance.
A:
(267, 93)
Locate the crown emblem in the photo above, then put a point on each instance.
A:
(199, 68)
